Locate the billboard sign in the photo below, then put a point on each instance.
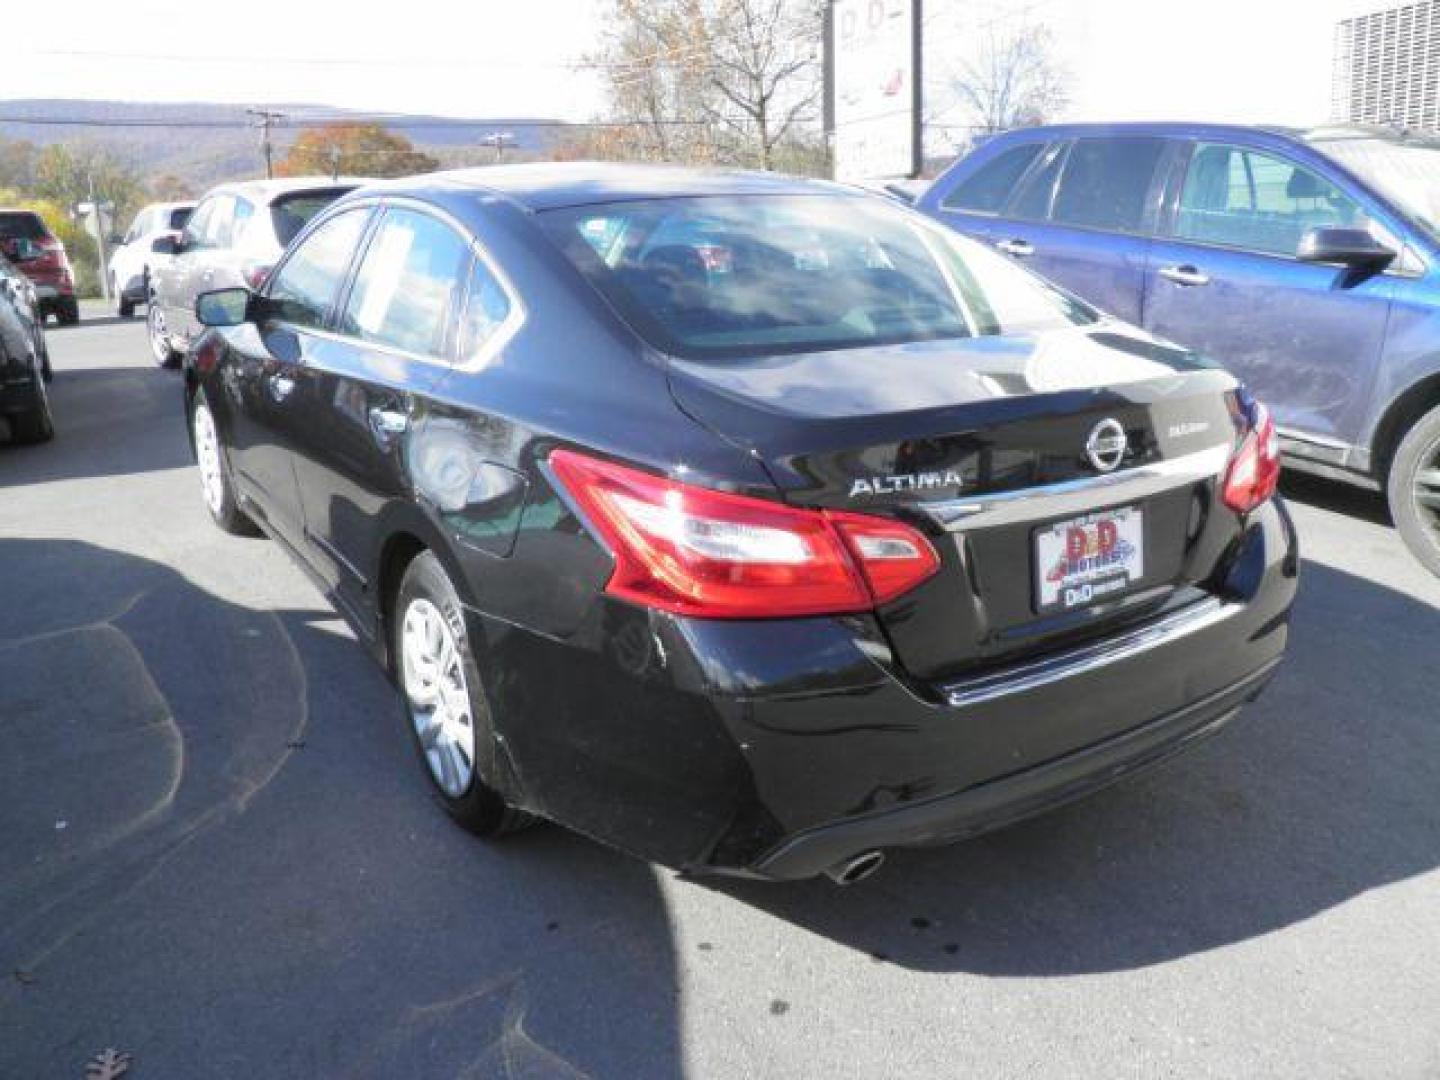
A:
(874, 87)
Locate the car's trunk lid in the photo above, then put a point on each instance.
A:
(982, 443)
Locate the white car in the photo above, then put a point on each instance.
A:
(133, 262)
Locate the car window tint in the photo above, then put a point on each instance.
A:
(22, 225)
(405, 288)
(988, 189)
(289, 214)
(1105, 183)
(306, 285)
(1033, 201)
(1246, 199)
(486, 309)
(178, 218)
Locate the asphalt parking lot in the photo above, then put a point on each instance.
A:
(217, 855)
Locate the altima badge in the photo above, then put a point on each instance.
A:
(1107, 445)
(893, 485)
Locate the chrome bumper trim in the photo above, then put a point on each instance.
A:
(1076, 496)
(1018, 680)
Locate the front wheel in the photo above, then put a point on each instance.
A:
(1414, 490)
(37, 425)
(215, 483)
(124, 307)
(160, 348)
(68, 313)
(445, 701)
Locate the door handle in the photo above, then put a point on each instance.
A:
(1020, 249)
(1184, 275)
(387, 423)
(281, 386)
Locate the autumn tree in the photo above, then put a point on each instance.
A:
(351, 149)
(702, 81)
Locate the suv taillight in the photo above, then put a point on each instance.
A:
(1254, 470)
(696, 551)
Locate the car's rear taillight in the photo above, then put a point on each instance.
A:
(706, 553)
(1254, 470)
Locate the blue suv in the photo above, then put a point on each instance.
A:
(1308, 263)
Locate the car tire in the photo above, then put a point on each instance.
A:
(159, 335)
(38, 425)
(446, 709)
(1414, 490)
(124, 308)
(216, 487)
(46, 371)
(68, 312)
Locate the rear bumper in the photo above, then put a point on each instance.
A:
(1001, 802)
(779, 748)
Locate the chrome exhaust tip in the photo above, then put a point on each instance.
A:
(857, 868)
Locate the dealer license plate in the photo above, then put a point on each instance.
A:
(1088, 559)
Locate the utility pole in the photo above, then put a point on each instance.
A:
(265, 118)
(98, 216)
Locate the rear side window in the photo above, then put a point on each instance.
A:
(487, 306)
(1105, 183)
(990, 187)
(291, 213)
(22, 225)
(404, 292)
(306, 285)
(1246, 199)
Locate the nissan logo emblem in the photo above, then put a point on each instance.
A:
(1106, 445)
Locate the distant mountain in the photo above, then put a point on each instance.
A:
(203, 143)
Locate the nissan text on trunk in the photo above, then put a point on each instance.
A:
(751, 525)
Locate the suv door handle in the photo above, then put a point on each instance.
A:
(1184, 275)
(1021, 249)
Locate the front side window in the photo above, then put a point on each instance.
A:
(732, 277)
(1105, 183)
(1245, 199)
(991, 186)
(305, 287)
(405, 289)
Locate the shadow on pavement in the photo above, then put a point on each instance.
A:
(1333, 495)
(108, 422)
(216, 852)
(1309, 800)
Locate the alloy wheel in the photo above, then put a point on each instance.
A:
(159, 343)
(1427, 489)
(207, 455)
(433, 677)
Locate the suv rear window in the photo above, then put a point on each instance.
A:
(987, 190)
(22, 225)
(291, 213)
(1105, 183)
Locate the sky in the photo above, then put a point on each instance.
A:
(450, 57)
(1238, 60)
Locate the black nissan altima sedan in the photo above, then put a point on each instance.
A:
(749, 524)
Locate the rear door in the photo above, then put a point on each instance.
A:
(368, 380)
(974, 202)
(273, 411)
(1224, 281)
(1083, 215)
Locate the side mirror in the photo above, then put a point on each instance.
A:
(223, 307)
(1354, 248)
(169, 244)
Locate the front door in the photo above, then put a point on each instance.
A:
(1305, 338)
(268, 379)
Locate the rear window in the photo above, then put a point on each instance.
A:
(988, 189)
(178, 218)
(291, 213)
(730, 277)
(22, 225)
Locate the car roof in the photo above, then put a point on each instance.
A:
(270, 190)
(1171, 128)
(551, 185)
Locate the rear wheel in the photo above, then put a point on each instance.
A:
(124, 308)
(445, 702)
(67, 313)
(1414, 490)
(215, 484)
(160, 348)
